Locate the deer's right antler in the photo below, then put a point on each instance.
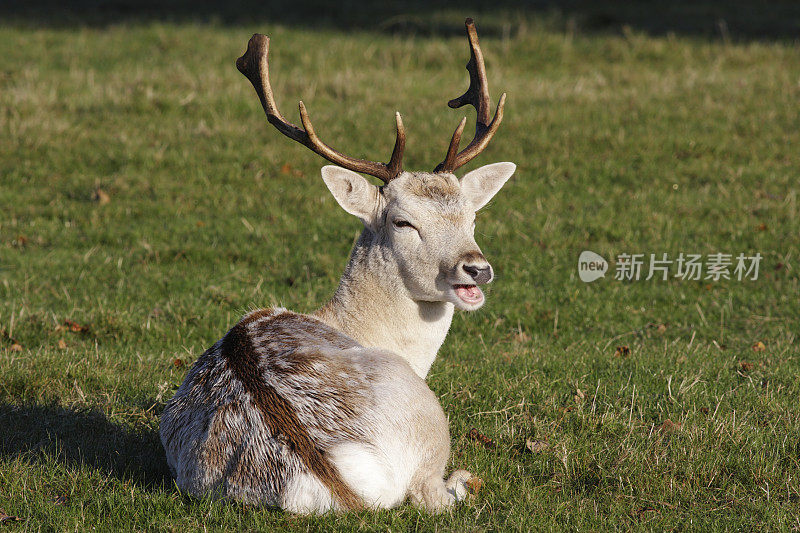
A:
(477, 96)
(255, 65)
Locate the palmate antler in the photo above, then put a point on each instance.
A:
(477, 96)
(255, 65)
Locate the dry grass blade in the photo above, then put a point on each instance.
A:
(536, 446)
(4, 517)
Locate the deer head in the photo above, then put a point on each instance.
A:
(421, 222)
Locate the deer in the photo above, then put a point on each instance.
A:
(330, 411)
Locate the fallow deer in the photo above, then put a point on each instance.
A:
(331, 410)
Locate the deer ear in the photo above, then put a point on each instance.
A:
(353, 192)
(480, 185)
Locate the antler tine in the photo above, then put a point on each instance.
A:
(454, 142)
(477, 95)
(254, 64)
(396, 161)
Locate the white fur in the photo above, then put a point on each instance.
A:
(350, 378)
(482, 184)
(397, 290)
(355, 194)
(378, 477)
(305, 494)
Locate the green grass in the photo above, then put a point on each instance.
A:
(625, 143)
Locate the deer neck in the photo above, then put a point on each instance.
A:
(373, 306)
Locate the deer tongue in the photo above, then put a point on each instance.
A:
(469, 293)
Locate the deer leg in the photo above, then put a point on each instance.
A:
(456, 485)
(436, 494)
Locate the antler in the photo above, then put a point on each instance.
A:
(477, 95)
(255, 65)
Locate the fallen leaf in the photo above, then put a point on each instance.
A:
(644, 510)
(101, 197)
(62, 345)
(199, 223)
(20, 241)
(745, 366)
(474, 484)
(622, 351)
(668, 426)
(75, 327)
(477, 436)
(4, 517)
(759, 347)
(536, 446)
(522, 337)
(761, 227)
(178, 363)
(286, 168)
(15, 346)
(661, 328)
(579, 395)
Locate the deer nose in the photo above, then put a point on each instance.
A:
(481, 274)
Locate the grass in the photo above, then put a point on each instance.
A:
(625, 143)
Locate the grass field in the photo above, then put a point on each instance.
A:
(145, 205)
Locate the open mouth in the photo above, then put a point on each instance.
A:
(469, 294)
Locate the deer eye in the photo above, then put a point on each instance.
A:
(403, 224)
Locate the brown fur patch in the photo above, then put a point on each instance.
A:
(472, 257)
(258, 314)
(220, 435)
(434, 186)
(294, 324)
(278, 415)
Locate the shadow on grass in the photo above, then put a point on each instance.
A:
(718, 19)
(84, 437)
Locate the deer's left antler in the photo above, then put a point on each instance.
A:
(255, 65)
(477, 95)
